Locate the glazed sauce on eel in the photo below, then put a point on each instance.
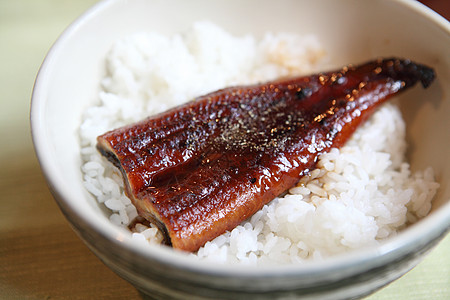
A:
(202, 168)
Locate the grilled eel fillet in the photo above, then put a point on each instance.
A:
(201, 168)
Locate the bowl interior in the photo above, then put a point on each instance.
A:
(351, 31)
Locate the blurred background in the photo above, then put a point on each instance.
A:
(40, 256)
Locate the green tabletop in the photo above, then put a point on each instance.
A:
(40, 256)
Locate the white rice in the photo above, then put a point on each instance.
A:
(359, 195)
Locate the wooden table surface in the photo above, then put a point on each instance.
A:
(40, 255)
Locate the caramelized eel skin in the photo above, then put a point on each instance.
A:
(202, 168)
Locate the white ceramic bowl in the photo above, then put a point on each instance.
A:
(351, 31)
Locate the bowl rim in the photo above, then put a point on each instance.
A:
(356, 259)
